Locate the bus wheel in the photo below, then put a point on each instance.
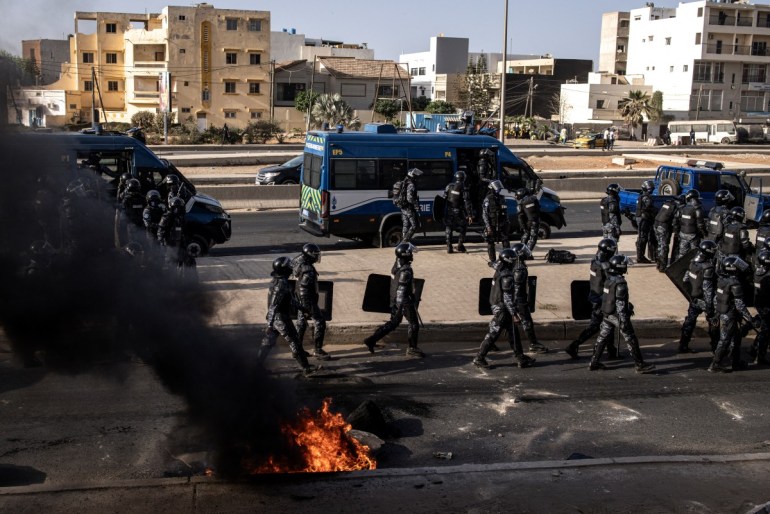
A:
(391, 238)
(543, 230)
(725, 141)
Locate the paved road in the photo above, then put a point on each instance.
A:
(277, 231)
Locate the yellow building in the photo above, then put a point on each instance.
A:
(218, 61)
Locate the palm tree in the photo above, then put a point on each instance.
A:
(635, 107)
(332, 109)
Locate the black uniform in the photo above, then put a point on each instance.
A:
(598, 276)
(501, 298)
(716, 222)
(736, 241)
(528, 214)
(521, 301)
(307, 297)
(702, 278)
(690, 225)
(663, 226)
(645, 216)
(495, 215)
(731, 308)
(763, 237)
(280, 300)
(611, 220)
(762, 304)
(458, 211)
(410, 211)
(171, 234)
(403, 303)
(151, 217)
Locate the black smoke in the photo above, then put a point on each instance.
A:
(70, 297)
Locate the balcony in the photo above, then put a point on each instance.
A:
(722, 19)
(145, 97)
(726, 49)
(150, 65)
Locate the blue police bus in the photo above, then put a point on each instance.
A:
(347, 178)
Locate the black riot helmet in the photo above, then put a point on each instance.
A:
(176, 205)
(282, 267)
(613, 189)
(765, 218)
(311, 252)
(692, 195)
(707, 249)
(405, 252)
(618, 265)
(521, 251)
(507, 256)
(460, 176)
(680, 200)
(153, 196)
(496, 186)
(133, 185)
(764, 258)
(520, 193)
(648, 186)
(125, 176)
(723, 197)
(733, 265)
(414, 173)
(171, 180)
(738, 214)
(607, 247)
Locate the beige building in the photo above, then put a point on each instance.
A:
(218, 61)
(613, 47)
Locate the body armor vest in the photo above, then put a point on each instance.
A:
(715, 225)
(688, 223)
(609, 207)
(520, 276)
(696, 275)
(731, 240)
(644, 207)
(724, 300)
(530, 207)
(598, 277)
(666, 213)
(610, 293)
(763, 234)
(279, 286)
(762, 287)
(307, 281)
(496, 293)
(456, 196)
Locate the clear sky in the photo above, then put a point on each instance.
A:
(563, 28)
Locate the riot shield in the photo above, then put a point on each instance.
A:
(579, 291)
(377, 293)
(676, 270)
(485, 287)
(439, 205)
(325, 298)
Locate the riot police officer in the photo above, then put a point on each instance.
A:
(171, 231)
(521, 296)
(735, 238)
(702, 277)
(716, 216)
(763, 232)
(174, 187)
(307, 297)
(762, 304)
(494, 212)
(690, 223)
(486, 165)
(280, 300)
(403, 302)
(410, 205)
(731, 308)
(122, 183)
(153, 213)
(501, 298)
(617, 311)
(607, 248)
(645, 216)
(528, 215)
(133, 203)
(459, 211)
(610, 210)
(662, 227)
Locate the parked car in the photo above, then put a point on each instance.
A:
(286, 173)
(591, 140)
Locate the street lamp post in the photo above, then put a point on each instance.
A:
(502, 78)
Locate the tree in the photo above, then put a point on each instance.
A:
(635, 107)
(657, 106)
(419, 103)
(387, 108)
(475, 88)
(557, 106)
(440, 107)
(332, 109)
(303, 99)
(14, 71)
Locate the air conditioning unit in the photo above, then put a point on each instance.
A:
(711, 36)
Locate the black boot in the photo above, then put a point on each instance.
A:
(480, 359)
(449, 248)
(320, 354)
(572, 349)
(640, 249)
(491, 254)
(307, 369)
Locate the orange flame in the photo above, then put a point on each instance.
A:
(324, 445)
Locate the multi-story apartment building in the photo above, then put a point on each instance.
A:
(286, 45)
(218, 61)
(446, 56)
(613, 48)
(48, 55)
(710, 59)
(597, 99)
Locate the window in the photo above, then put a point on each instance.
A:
(697, 38)
(205, 95)
(668, 41)
(255, 25)
(160, 56)
(88, 57)
(230, 115)
(650, 38)
(230, 87)
(389, 91)
(88, 85)
(600, 104)
(111, 58)
(256, 115)
(73, 106)
(186, 110)
(433, 68)
(354, 174)
(182, 51)
(353, 90)
(288, 92)
(421, 71)
(752, 101)
(311, 175)
(686, 67)
(111, 28)
(413, 72)
(255, 59)
(231, 58)
(182, 17)
(671, 69)
(436, 174)
(112, 85)
(232, 23)
(702, 72)
(754, 73)
(253, 88)
(700, 12)
(186, 83)
(621, 49)
(623, 24)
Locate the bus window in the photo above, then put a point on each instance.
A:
(708, 183)
(311, 173)
(391, 171)
(435, 174)
(726, 127)
(514, 178)
(353, 174)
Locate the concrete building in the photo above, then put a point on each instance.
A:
(35, 107)
(709, 59)
(287, 45)
(446, 56)
(48, 55)
(218, 60)
(613, 48)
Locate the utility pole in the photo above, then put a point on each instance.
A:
(94, 112)
(502, 78)
(697, 108)
(272, 88)
(530, 95)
